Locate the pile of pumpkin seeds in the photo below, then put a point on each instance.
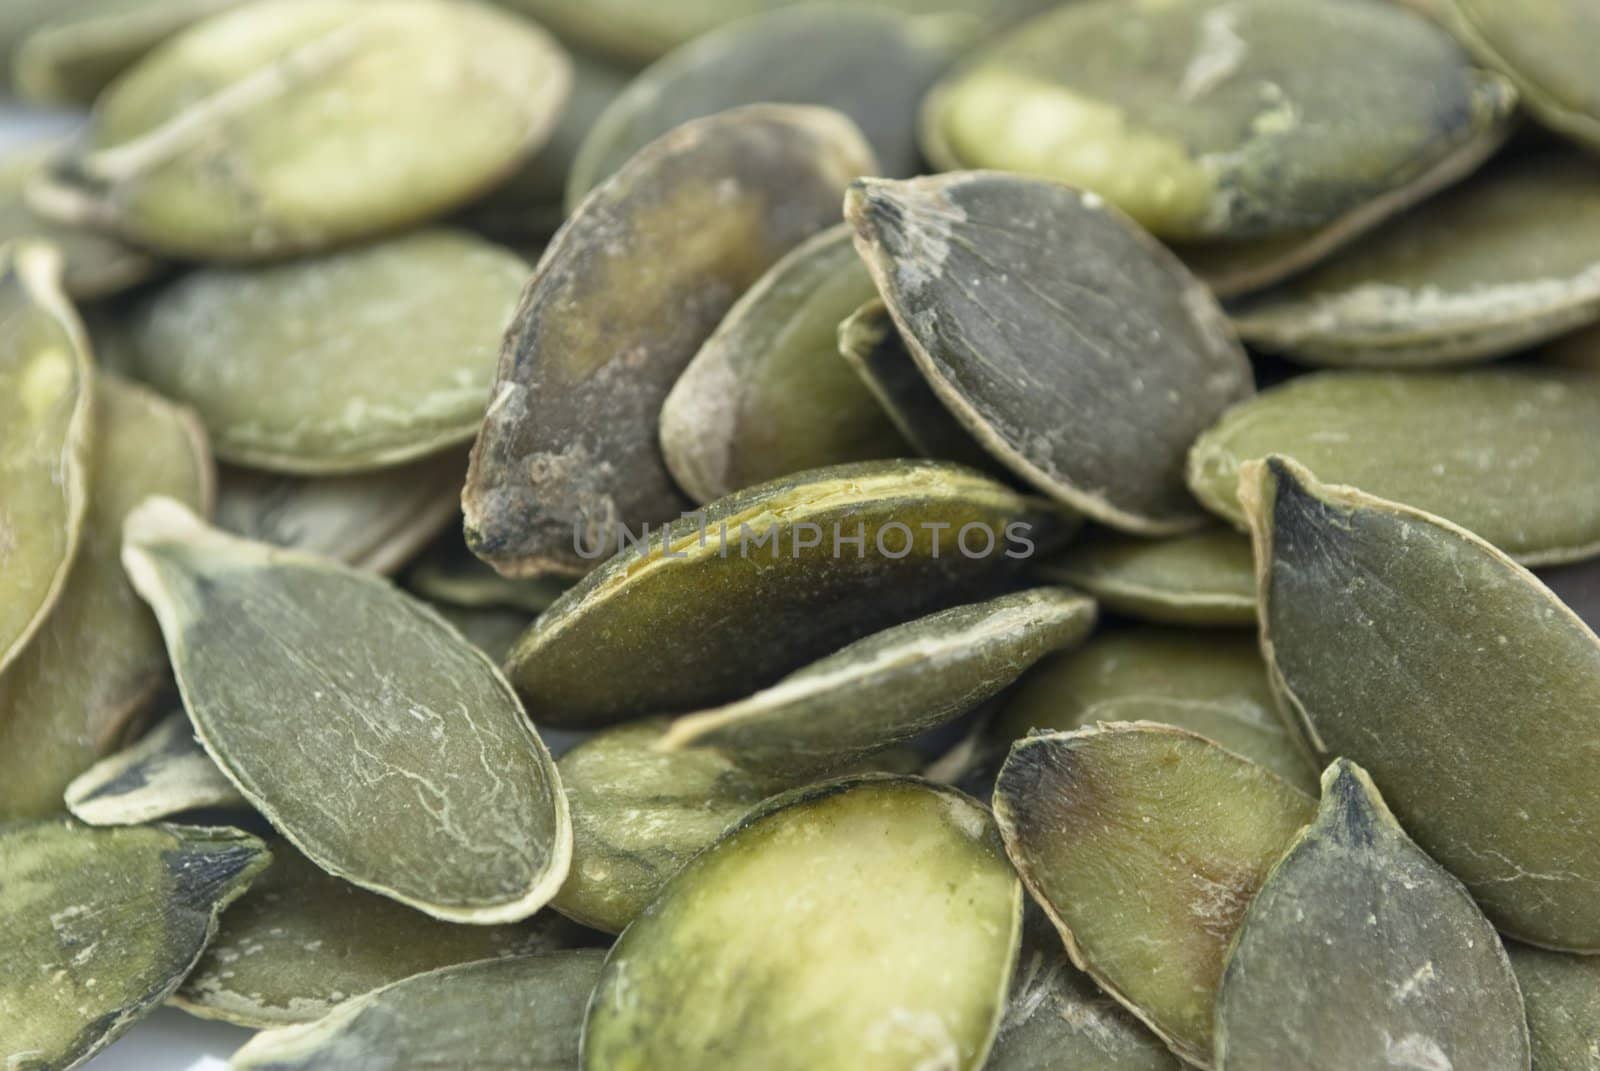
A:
(925, 535)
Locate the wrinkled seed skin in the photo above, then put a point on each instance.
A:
(626, 294)
(1544, 47)
(1561, 992)
(1360, 951)
(1461, 684)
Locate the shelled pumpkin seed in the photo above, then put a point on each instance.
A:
(1199, 578)
(164, 773)
(1560, 992)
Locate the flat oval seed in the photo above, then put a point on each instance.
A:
(1145, 844)
(1545, 48)
(623, 298)
(45, 413)
(768, 394)
(102, 925)
(767, 581)
(451, 806)
(348, 362)
(1561, 993)
(1507, 259)
(535, 1003)
(1068, 342)
(1360, 951)
(870, 63)
(1453, 676)
(1213, 685)
(1201, 578)
(376, 521)
(239, 139)
(777, 948)
(301, 942)
(890, 687)
(165, 773)
(72, 696)
(1223, 118)
(1505, 453)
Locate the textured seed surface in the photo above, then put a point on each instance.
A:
(396, 755)
(347, 362)
(768, 394)
(1457, 680)
(1145, 844)
(1360, 951)
(86, 678)
(165, 773)
(1200, 578)
(1544, 47)
(1221, 118)
(1505, 454)
(1072, 345)
(619, 304)
(1561, 992)
(777, 948)
(45, 428)
(292, 125)
(102, 925)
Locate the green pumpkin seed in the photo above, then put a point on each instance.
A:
(451, 806)
(1089, 379)
(777, 946)
(45, 413)
(375, 521)
(1202, 578)
(165, 773)
(1360, 951)
(768, 393)
(101, 925)
(1560, 992)
(1505, 260)
(1145, 844)
(1459, 682)
(288, 126)
(301, 942)
(1206, 119)
(349, 362)
(870, 63)
(1506, 454)
(90, 673)
(1213, 685)
(764, 582)
(1544, 47)
(448, 573)
(625, 295)
(535, 1003)
(891, 686)
(1233, 269)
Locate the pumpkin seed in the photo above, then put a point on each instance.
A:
(353, 361)
(1211, 685)
(768, 393)
(1360, 951)
(1504, 453)
(1233, 269)
(165, 773)
(45, 402)
(1145, 844)
(622, 299)
(777, 947)
(1442, 643)
(92, 670)
(891, 686)
(1543, 47)
(449, 573)
(766, 581)
(288, 126)
(1201, 578)
(376, 521)
(379, 709)
(1207, 119)
(301, 942)
(1560, 992)
(1092, 398)
(436, 1019)
(870, 63)
(1505, 260)
(102, 924)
